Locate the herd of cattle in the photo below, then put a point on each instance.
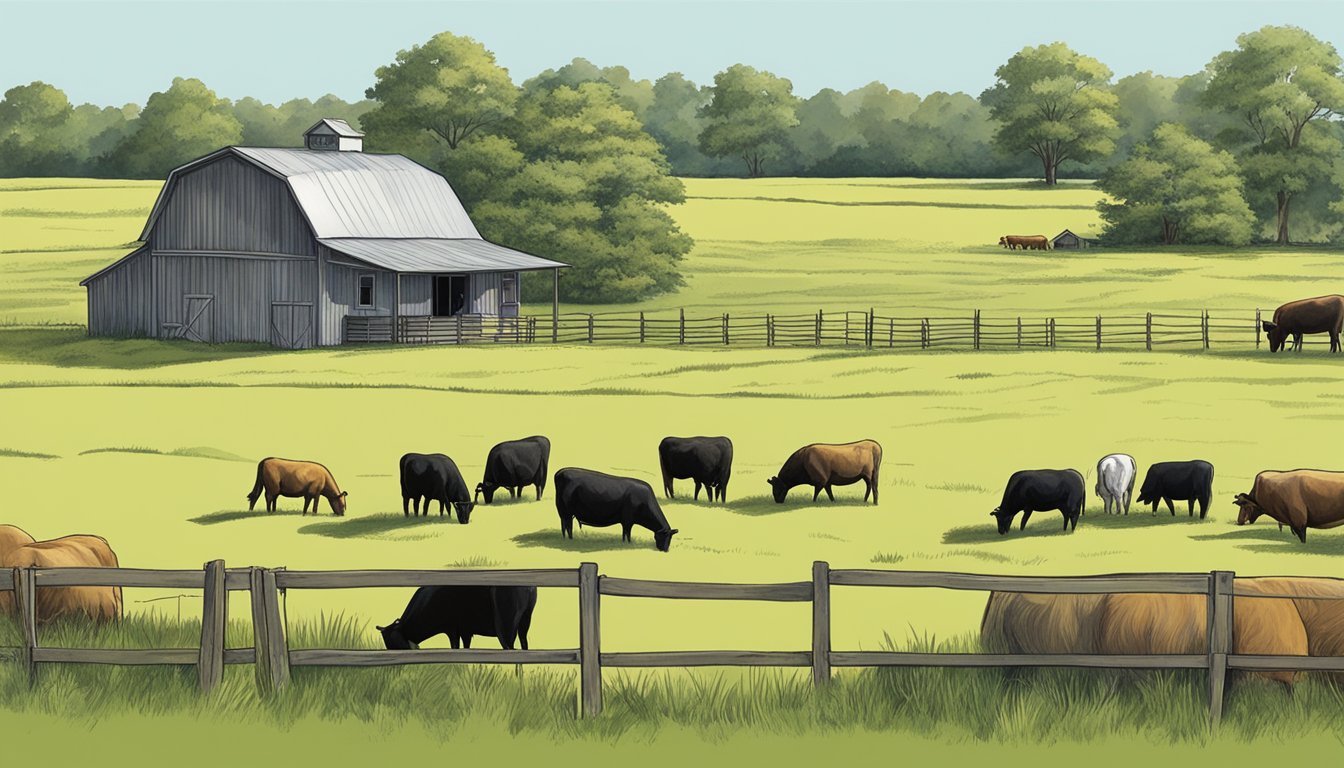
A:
(1025, 242)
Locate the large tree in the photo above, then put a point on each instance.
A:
(1283, 84)
(184, 122)
(30, 118)
(748, 116)
(1054, 103)
(1176, 188)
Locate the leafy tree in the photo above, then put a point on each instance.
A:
(1283, 84)
(1054, 103)
(1144, 101)
(749, 116)
(634, 95)
(1176, 188)
(30, 116)
(268, 125)
(184, 122)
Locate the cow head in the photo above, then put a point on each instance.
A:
(1003, 241)
(1276, 335)
(395, 639)
(663, 539)
(1005, 519)
(463, 510)
(338, 504)
(485, 488)
(1249, 509)
(780, 489)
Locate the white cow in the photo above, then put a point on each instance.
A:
(1115, 481)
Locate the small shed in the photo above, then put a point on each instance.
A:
(1067, 239)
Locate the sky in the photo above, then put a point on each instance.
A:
(116, 52)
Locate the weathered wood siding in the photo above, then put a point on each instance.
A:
(483, 292)
(243, 291)
(339, 299)
(119, 300)
(230, 205)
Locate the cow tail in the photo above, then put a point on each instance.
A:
(256, 487)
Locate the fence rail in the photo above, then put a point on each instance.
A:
(272, 658)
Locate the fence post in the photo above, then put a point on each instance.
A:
(214, 617)
(821, 623)
(1148, 333)
(25, 594)
(590, 328)
(1220, 639)
(872, 319)
(681, 332)
(924, 342)
(1257, 327)
(891, 332)
(641, 327)
(725, 329)
(1098, 331)
(1050, 333)
(1204, 326)
(819, 320)
(268, 633)
(1019, 331)
(769, 330)
(590, 641)
(458, 326)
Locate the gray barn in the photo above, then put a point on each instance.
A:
(309, 247)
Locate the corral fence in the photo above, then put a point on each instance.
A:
(1194, 329)
(273, 659)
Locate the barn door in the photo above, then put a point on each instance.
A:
(198, 318)
(291, 325)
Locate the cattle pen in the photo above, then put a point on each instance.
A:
(272, 659)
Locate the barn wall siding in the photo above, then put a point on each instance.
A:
(230, 205)
(243, 291)
(483, 292)
(339, 299)
(119, 300)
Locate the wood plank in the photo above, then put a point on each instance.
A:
(274, 648)
(119, 656)
(556, 577)
(237, 579)
(1286, 663)
(118, 577)
(821, 623)
(6, 580)
(708, 659)
(214, 618)
(798, 591)
(26, 604)
(899, 659)
(590, 641)
(1220, 640)
(331, 657)
(240, 655)
(1172, 583)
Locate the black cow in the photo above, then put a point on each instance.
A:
(1188, 481)
(514, 464)
(460, 612)
(599, 500)
(433, 477)
(706, 460)
(1039, 490)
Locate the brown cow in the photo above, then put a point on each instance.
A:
(307, 479)
(822, 465)
(1025, 242)
(1300, 499)
(96, 603)
(1323, 314)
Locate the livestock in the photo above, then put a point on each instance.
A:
(599, 500)
(1323, 314)
(823, 465)
(1039, 490)
(433, 477)
(1299, 499)
(1115, 481)
(708, 461)
(514, 464)
(295, 479)
(460, 612)
(1189, 481)
(1025, 242)
(81, 551)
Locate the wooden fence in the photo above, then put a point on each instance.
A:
(1195, 329)
(272, 659)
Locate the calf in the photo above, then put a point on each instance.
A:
(599, 500)
(1188, 481)
(433, 477)
(461, 612)
(706, 460)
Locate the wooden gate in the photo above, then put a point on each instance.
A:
(292, 324)
(198, 318)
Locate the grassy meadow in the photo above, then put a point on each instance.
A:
(154, 445)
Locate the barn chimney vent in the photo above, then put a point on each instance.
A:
(333, 135)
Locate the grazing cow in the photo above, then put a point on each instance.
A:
(95, 603)
(1188, 481)
(1323, 314)
(1115, 481)
(461, 612)
(514, 464)
(706, 460)
(599, 500)
(1300, 499)
(433, 477)
(293, 479)
(822, 465)
(1025, 242)
(1039, 490)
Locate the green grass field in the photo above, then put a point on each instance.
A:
(154, 445)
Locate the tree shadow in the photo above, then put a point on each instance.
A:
(230, 515)
(1268, 539)
(761, 506)
(586, 540)
(376, 526)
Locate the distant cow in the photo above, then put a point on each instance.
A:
(294, 479)
(1040, 490)
(822, 465)
(433, 477)
(1025, 242)
(599, 500)
(706, 460)
(19, 550)
(1115, 481)
(1188, 481)
(514, 464)
(1300, 499)
(461, 612)
(1323, 314)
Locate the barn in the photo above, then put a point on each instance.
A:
(1067, 240)
(318, 246)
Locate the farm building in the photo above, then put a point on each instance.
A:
(1067, 239)
(310, 247)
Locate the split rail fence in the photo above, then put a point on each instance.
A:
(273, 659)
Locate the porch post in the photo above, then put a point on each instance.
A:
(396, 313)
(555, 305)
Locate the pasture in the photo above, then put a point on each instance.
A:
(154, 445)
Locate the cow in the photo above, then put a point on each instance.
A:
(1025, 242)
(433, 477)
(1188, 481)
(706, 460)
(1039, 490)
(823, 465)
(513, 464)
(99, 604)
(293, 479)
(1323, 314)
(1115, 481)
(461, 612)
(599, 500)
(1299, 499)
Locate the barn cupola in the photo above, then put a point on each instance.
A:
(333, 135)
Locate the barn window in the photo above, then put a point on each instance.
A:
(509, 289)
(364, 290)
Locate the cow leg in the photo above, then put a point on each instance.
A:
(625, 532)
(696, 495)
(867, 489)
(455, 641)
(566, 526)
(1301, 533)
(1203, 507)
(540, 486)
(441, 505)
(1026, 515)
(513, 492)
(466, 640)
(829, 494)
(405, 507)
(1170, 506)
(1191, 504)
(816, 491)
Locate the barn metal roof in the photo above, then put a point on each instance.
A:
(437, 254)
(338, 126)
